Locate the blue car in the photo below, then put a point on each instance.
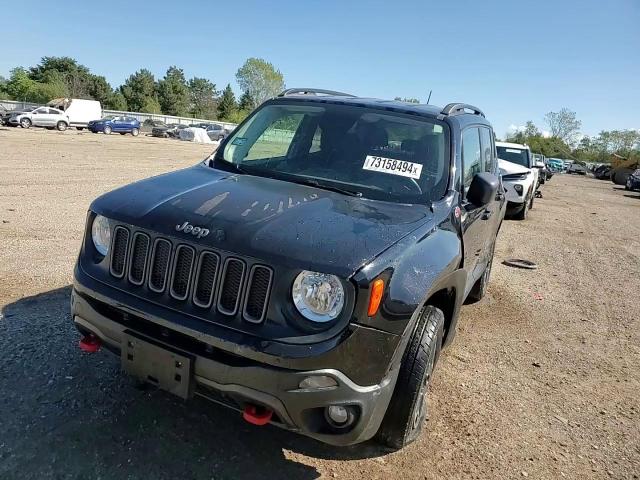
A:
(120, 125)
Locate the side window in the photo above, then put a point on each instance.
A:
(471, 154)
(488, 156)
(276, 138)
(41, 111)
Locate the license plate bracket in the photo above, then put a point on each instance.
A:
(162, 366)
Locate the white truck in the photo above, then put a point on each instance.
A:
(79, 111)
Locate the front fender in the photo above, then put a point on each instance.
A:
(421, 264)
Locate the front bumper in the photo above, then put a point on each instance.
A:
(512, 195)
(235, 381)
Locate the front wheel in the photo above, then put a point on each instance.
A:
(107, 130)
(522, 213)
(25, 123)
(61, 126)
(407, 410)
(135, 132)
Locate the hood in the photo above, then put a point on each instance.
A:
(278, 222)
(508, 168)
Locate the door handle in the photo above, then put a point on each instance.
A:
(487, 214)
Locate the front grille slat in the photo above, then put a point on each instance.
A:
(159, 265)
(204, 278)
(259, 285)
(232, 277)
(181, 275)
(138, 258)
(119, 247)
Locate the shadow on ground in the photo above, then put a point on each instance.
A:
(68, 414)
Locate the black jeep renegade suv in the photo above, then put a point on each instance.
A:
(308, 273)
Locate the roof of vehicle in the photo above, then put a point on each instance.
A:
(433, 111)
(512, 145)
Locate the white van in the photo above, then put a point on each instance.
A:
(79, 111)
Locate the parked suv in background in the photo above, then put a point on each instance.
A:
(121, 124)
(307, 273)
(40, 117)
(519, 176)
(217, 132)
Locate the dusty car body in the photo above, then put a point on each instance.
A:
(314, 301)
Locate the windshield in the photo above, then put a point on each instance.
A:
(514, 155)
(356, 150)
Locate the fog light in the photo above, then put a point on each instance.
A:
(338, 414)
(318, 382)
(518, 188)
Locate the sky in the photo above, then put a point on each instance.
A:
(516, 60)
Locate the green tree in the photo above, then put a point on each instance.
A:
(260, 79)
(564, 125)
(77, 78)
(227, 105)
(139, 92)
(530, 130)
(116, 101)
(173, 93)
(203, 98)
(246, 103)
(21, 87)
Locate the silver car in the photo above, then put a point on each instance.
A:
(41, 117)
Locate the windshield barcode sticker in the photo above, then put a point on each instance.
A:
(392, 166)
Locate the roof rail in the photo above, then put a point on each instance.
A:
(313, 91)
(459, 108)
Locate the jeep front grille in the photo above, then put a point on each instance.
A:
(204, 278)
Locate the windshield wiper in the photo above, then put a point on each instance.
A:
(325, 186)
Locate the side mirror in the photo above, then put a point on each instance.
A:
(483, 189)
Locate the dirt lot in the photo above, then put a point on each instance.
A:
(542, 381)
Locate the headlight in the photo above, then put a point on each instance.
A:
(319, 297)
(100, 234)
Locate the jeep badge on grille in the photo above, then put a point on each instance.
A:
(186, 227)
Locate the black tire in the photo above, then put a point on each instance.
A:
(531, 202)
(522, 213)
(407, 410)
(135, 132)
(123, 133)
(61, 126)
(107, 130)
(80, 128)
(479, 289)
(25, 123)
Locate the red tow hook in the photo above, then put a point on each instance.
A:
(90, 343)
(257, 415)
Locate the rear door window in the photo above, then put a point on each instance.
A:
(471, 155)
(488, 151)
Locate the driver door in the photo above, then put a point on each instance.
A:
(474, 221)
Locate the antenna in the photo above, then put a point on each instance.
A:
(430, 91)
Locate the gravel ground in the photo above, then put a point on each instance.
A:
(542, 380)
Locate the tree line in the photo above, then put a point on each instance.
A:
(173, 94)
(565, 140)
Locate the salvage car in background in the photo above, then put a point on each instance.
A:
(171, 130)
(519, 186)
(121, 124)
(217, 132)
(577, 168)
(633, 181)
(40, 117)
